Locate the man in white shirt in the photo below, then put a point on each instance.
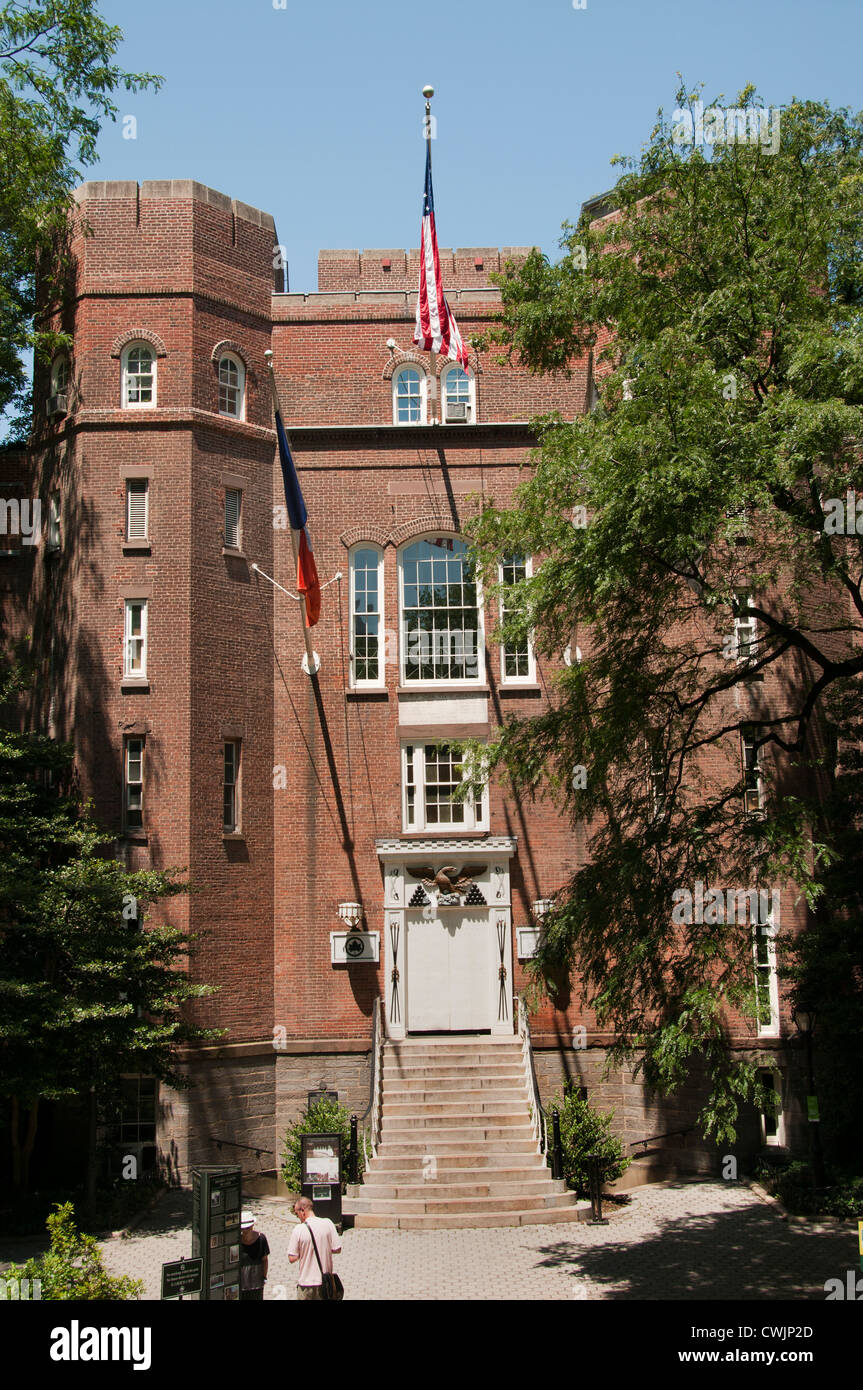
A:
(302, 1250)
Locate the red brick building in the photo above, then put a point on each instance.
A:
(175, 665)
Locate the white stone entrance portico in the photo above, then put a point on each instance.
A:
(447, 935)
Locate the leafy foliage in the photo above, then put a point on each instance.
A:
(73, 1267)
(584, 1131)
(57, 77)
(323, 1117)
(717, 312)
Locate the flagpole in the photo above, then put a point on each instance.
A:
(311, 663)
(428, 93)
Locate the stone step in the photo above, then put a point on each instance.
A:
(461, 1106)
(438, 1083)
(416, 1071)
(505, 1185)
(440, 1221)
(478, 1161)
(428, 1205)
(409, 1144)
(460, 1122)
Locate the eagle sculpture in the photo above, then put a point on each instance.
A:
(448, 879)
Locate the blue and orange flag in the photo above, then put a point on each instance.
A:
(307, 572)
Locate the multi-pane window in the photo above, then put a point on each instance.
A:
(137, 509)
(139, 375)
(135, 644)
(656, 772)
(231, 385)
(233, 510)
(745, 629)
(52, 538)
(750, 755)
(431, 774)
(772, 1124)
(457, 395)
(409, 396)
(133, 783)
(231, 812)
(516, 657)
(766, 981)
(59, 374)
(441, 633)
(366, 616)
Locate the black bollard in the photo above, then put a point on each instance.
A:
(594, 1168)
(352, 1154)
(556, 1147)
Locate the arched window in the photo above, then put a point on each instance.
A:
(232, 386)
(409, 396)
(367, 616)
(60, 374)
(441, 628)
(459, 396)
(139, 375)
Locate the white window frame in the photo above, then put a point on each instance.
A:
(530, 678)
(745, 647)
(656, 777)
(128, 375)
(438, 682)
(226, 386)
(229, 545)
(128, 784)
(423, 376)
(60, 362)
(776, 1140)
(237, 745)
(378, 682)
(129, 673)
(759, 789)
(455, 369)
(134, 484)
(413, 753)
(765, 933)
(53, 534)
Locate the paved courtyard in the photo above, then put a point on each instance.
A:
(673, 1240)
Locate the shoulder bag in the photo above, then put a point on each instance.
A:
(332, 1288)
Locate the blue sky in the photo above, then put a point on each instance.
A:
(314, 113)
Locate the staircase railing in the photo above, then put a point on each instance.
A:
(538, 1117)
(370, 1120)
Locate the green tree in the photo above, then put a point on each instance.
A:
(87, 991)
(73, 1267)
(57, 77)
(718, 309)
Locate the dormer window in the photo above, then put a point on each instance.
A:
(409, 396)
(139, 375)
(232, 386)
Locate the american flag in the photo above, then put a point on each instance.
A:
(436, 330)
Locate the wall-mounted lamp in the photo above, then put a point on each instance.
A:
(542, 907)
(351, 914)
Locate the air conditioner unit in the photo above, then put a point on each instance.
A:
(457, 410)
(56, 406)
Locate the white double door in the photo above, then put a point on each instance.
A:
(450, 972)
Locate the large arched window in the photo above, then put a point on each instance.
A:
(441, 628)
(367, 615)
(409, 396)
(459, 395)
(232, 386)
(139, 375)
(60, 374)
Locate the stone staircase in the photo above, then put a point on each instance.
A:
(457, 1147)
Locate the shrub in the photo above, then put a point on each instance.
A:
(324, 1117)
(72, 1268)
(792, 1184)
(584, 1131)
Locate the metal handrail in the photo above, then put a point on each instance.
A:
(371, 1117)
(670, 1134)
(540, 1127)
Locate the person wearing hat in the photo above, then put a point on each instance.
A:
(254, 1259)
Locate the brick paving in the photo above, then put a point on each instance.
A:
(704, 1240)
